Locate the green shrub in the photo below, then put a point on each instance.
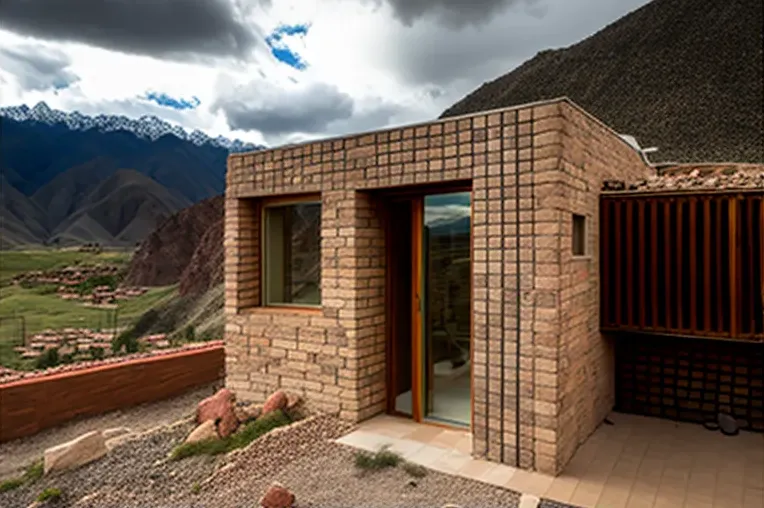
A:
(97, 353)
(239, 439)
(50, 494)
(126, 341)
(34, 472)
(196, 488)
(10, 484)
(87, 286)
(49, 358)
(189, 333)
(381, 459)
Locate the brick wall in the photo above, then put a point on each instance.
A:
(524, 183)
(586, 379)
(30, 405)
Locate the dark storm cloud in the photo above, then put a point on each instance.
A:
(179, 29)
(308, 110)
(428, 53)
(454, 13)
(37, 67)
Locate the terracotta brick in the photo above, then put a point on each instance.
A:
(335, 355)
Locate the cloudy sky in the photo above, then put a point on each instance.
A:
(277, 71)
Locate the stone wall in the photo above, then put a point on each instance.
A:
(524, 185)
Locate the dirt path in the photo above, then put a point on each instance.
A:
(17, 454)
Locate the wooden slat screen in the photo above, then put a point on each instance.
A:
(690, 379)
(690, 265)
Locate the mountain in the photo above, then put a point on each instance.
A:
(68, 178)
(166, 254)
(682, 75)
(147, 127)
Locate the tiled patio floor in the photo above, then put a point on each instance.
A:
(637, 462)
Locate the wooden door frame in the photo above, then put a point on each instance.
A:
(416, 195)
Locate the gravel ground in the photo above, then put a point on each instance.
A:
(302, 456)
(548, 503)
(19, 453)
(135, 470)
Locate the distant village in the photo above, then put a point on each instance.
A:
(93, 286)
(80, 343)
(70, 280)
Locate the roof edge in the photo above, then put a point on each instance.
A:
(435, 121)
(608, 128)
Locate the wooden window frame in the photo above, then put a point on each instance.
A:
(282, 201)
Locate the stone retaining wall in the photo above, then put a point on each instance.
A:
(28, 406)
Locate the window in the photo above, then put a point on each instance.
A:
(292, 250)
(579, 235)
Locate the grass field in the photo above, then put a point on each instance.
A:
(13, 263)
(43, 309)
(47, 311)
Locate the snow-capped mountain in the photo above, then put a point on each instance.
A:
(147, 127)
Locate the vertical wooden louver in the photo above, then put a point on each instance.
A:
(690, 265)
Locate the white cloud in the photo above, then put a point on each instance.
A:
(378, 70)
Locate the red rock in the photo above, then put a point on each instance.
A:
(277, 496)
(220, 408)
(278, 400)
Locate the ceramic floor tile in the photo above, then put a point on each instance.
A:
(451, 462)
(753, 498)
(562, 489)
(405, 447)
(476, 469)
(499, 475)
(364, 440)
(531, 483)
(428, 455)
(587, 493)
(613, 497)
(424, 433)
(662, 501)
(449, 438)
(641, 497)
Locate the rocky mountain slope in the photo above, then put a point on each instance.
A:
(69, 179)
(682, 75)
(165, 256)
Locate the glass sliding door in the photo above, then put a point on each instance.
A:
(429, 299)
(445, 306)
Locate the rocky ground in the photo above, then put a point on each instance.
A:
(20, 452)
(303, 457)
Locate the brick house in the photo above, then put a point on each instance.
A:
(446, 272)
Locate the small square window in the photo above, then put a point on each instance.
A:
(292, 251)
(579, 235)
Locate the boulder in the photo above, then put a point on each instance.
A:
(728, 424)
(277, 496)
(219, 408)
(203, 432)
(277, 400)
(77, 452)
(293, 400)
(247, 413)
(115, 432)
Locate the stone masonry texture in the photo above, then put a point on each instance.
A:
(542, 372)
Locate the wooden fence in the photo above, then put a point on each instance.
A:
(686, 265)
